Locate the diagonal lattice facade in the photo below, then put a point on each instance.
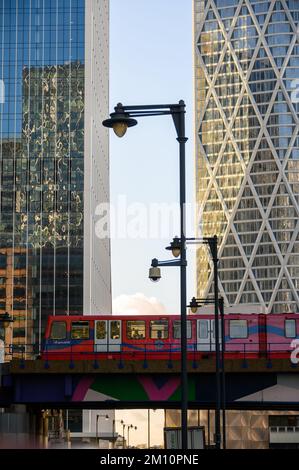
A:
(247, 165)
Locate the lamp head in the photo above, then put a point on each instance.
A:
(119, 121)
(175, 247)
(193, 305)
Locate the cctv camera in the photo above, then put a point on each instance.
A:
(155, 274)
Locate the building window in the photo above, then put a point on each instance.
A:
(58, 330)
(290, 328)
(238, 329)
(19, 292)
(115, 329)
(136, 329)
(159, 329)
(80, 330)
(20, 261)
(101, 330)
(19, 305)
(177, 330)
(19, 333)
(2, 261)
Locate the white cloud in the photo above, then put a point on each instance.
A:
(137, 304)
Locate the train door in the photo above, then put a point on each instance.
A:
(107, 335)
(206, 334)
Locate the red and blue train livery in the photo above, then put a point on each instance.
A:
(158, 337)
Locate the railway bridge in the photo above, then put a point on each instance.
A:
(252, 384)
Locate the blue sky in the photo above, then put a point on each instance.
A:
(151, 61)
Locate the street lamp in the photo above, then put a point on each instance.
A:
(120, 121)
(149, 428)
(130, 427)
(97, 420)
(113, 429)
(213, 245)
(175, 247)
(220, 393)
(124, 426)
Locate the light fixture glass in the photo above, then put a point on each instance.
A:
(120, 128)
(193, 305)
(176, 252)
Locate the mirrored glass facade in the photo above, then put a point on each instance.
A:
(45, 66)
(247, 166)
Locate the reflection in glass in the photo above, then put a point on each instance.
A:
(41, 159)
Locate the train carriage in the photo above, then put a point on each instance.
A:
(156, 337)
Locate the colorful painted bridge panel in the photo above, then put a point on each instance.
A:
(253, 390)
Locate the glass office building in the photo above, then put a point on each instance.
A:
(54, 167)
(247, 164)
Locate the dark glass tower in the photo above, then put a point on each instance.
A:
(48, 52)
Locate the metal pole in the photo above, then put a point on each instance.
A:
(113, 434)
(218, 401)
(209, 429)
(183, 281)
(221, 304)
(124, 435)
(97, 421)
(148, 429)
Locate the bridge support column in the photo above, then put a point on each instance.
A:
(42, 429)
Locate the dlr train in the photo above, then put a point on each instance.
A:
(159, 337)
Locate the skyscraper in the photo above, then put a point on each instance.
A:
(54, 164)
(247, 167)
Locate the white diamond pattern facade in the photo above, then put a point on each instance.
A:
(247, 164)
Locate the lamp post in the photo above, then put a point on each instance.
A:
(113, 430)
(130, 427)
(223, 389)
(149, 428)
(124, 426)
(5, 322)
(194, 304)
(123, 118)
(213, 245)
(97, 420)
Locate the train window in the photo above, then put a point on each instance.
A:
(238, 329)
(80, 330)
(159, 329)
(203, 329)
(290, 328)
(177, 330)
(58, 330)
(136, 329)
(114, 329)
(101, 330)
